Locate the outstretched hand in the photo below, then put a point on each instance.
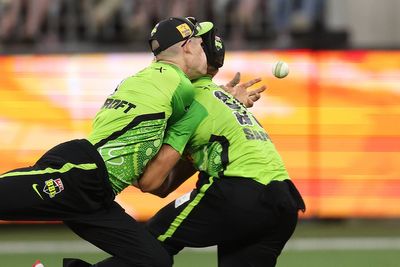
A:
(232, 83)
(239, 91)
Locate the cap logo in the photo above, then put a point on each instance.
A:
(154, 30)
(218, 43)
(184, 29)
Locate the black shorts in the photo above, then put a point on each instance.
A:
(70, 183)
(249, 222)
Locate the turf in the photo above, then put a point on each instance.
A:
(354, 258)
(208, 259)
(201, 258)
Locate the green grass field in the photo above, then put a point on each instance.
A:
(329, 244)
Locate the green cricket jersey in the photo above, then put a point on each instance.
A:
(129, 128)
(229, 141)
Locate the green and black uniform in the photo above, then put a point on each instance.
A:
(244, 201)
(129, 129)
(77, 181)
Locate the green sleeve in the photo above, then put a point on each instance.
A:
(179, 133)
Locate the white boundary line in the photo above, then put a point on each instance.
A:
(297, 244)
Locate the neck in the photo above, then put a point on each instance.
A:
(212, 71)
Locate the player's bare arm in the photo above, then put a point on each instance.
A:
(182, 171)
(158, 169)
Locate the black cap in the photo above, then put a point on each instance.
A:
(214, 48)
(174, 30)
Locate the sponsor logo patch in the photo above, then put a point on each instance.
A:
(53, 187)
(183, 199)
(184, 29)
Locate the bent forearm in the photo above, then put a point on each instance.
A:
(178, 175)
(158, 169)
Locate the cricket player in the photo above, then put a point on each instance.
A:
(244, 201)
(77, 181)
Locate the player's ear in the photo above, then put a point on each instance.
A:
(188, 47)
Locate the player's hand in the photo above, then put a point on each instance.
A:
(229, 87)
(253, 96)
(240, 92)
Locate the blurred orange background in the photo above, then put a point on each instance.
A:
(335, 119)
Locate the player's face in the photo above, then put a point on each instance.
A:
(196, 58)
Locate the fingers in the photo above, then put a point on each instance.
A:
(258, 90)
(249, 103)
(255, 97)
(234, 81)
(251, 82)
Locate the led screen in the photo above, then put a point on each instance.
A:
(335, 119)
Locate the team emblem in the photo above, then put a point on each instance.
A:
(154, 30)
(53, 187)
(218, 43)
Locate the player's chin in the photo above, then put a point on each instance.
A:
(203, 71)
(204, 68)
